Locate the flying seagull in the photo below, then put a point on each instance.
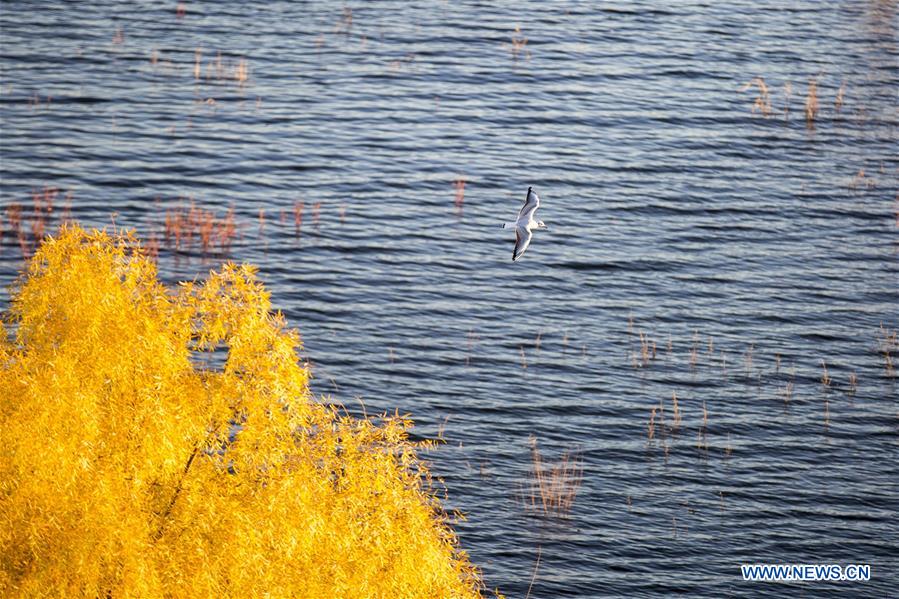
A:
(525, 223)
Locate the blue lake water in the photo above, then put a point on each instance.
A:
(752, 249)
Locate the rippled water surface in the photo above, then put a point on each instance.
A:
(748, 249)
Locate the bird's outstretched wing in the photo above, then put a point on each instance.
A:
(531, 203)
(522, 241)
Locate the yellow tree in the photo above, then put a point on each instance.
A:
(164, 442)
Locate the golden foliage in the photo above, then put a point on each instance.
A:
(129, 466)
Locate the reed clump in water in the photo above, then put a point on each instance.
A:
(762, 103)
(811, 103)
(554, 486)
(519, 44)
(189, 227)
(27, 228)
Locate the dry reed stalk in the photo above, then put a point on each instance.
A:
(853, 383)
(459, 184)
(537, 342)
(651, 432)
(729, 449)
(702, 438)
(241, 72)
(298, 217)
(826, 413)
(748, 358)
(777, 363)
(838, 103)
(180, 10)
(811, 103)
(762, 103)
(647, 349)
(441, 429)
(555, 484)
(197, 54)
(524, 360)
(787, 392)
(677, 418)
(534, 576)
(825, 376)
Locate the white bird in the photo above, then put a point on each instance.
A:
(525, 224)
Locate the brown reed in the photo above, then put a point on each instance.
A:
(534, 576)
(241, 72)
(838, 103)
(787, 392)
(853, 383)
(762, 103)
(298, 217)
(459, 184)
(677, 417)
(825, 376)
(811, 103)
(702, 441)
(554, 486)
(648, 349)
(183, 226)
(519, 43)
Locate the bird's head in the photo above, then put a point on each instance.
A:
(541, 224)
